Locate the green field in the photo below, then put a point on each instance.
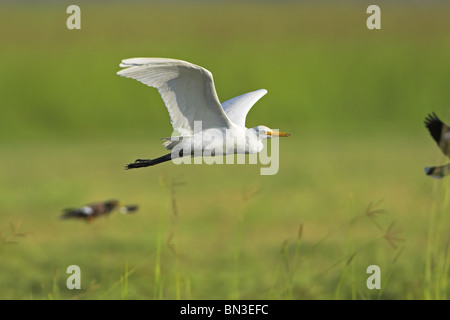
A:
(350, 192)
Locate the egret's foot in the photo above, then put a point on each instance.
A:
(139, 163)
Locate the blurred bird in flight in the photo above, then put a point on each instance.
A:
(441, 134)
(92, 211)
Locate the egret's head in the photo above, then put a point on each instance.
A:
(265, 132)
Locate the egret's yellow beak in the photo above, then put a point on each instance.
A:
(278, 134)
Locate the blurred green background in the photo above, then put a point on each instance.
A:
(350, 192)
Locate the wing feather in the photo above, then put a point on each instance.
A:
(238, 107)
(187, 90)
(439, 131)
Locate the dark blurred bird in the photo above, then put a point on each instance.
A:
(92, 211)
(441, 134)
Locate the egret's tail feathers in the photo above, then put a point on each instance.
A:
(170, 143)
(438, 172)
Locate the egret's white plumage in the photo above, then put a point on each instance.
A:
(238, 107)
(190, 96)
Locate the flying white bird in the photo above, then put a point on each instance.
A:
(441, 134)
(206, 127)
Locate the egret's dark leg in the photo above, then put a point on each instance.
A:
(141, 163)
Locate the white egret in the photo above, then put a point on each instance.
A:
(441, 134)
(206, 127)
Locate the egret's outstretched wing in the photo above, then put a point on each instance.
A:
(439, 131)
(238, 107)
(187, 90)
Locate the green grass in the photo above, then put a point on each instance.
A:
(222, 244)
(350, 191)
